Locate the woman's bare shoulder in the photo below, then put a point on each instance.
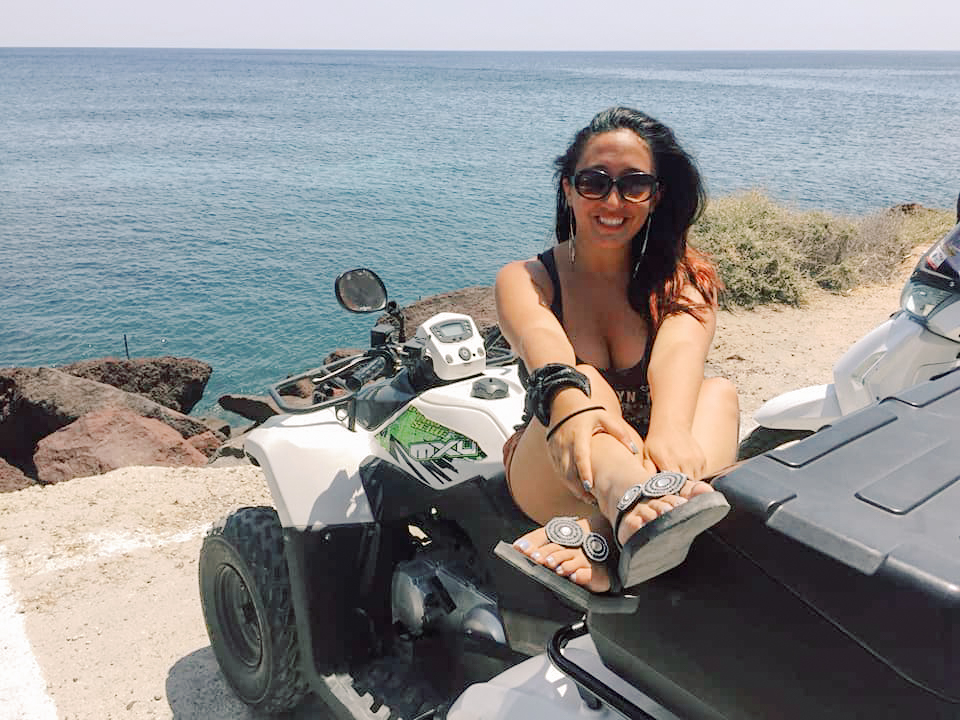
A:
(525, 271)
(524, 281)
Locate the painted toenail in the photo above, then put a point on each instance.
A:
(522, 544)
(633, 447)
(560, 571)
(536, 555)
(550, 561)
(681, 500)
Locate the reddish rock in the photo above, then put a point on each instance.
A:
(35, 402)
(477, 302)
(342, 354)
(207, 443)
(12, 478)
(108, 439)
(300, 389)
(176, 383)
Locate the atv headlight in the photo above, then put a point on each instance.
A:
(921, 299)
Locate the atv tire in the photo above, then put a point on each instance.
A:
(763, 439)
(246, 599)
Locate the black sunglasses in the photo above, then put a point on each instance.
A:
(634, 187)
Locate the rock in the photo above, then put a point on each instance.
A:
(35, 402)
(207, 443)
(301, 389)
(477, 302)
(176, 383)
(217, 424)
(107, 439)
(341, 354)
(253, 407)
(12, 478)
(907, 208)
(231, 453)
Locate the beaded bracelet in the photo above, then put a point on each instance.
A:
(544, 383)
(556, 427)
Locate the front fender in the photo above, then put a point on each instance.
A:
(808, 408)
(312, 466)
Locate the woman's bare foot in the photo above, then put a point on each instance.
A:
(649, 510)
(570, 563)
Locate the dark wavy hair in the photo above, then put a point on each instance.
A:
(669, 263)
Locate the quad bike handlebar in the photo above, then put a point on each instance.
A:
(337, 382)
(376, 367)
(332, 377)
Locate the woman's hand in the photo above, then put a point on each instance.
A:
(569, 447)
(675, 449)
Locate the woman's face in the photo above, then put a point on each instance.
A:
(611, 221)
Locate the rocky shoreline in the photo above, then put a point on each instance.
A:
(94, 416)
(764, 351)
(98, 415)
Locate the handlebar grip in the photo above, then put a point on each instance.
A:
(373, 369)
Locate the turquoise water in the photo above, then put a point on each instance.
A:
(202, 202)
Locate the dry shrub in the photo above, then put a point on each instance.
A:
(755, 259)
(767, 253)
(924, 225)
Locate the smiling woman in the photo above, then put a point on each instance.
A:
(620, 427)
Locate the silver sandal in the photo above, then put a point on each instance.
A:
(663, 543)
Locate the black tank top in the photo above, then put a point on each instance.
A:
(630, 384)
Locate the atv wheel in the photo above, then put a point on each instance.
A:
(246, 599)
(763, 439)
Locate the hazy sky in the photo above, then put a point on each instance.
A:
(486, 24)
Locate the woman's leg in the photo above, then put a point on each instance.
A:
(716, 423)
(541, 494)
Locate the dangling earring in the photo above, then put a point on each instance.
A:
(643, 247)
(573, 239)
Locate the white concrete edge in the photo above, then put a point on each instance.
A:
(93, 547)
(23, 691)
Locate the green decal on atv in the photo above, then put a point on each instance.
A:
(425, 440)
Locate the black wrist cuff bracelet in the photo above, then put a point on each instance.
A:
(544, 383)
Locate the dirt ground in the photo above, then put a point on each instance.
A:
(99, 608)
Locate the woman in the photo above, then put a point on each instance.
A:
(614, 324)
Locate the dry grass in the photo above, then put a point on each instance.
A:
(767, 253)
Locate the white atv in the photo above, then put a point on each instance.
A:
(832, 589)
(918, 343)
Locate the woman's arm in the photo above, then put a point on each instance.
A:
(675, 375)
(523, 294)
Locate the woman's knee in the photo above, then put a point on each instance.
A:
(720, 394)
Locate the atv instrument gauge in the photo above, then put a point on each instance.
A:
(454, 345)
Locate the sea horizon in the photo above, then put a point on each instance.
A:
(201, 201)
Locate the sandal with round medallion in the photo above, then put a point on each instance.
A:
(657, 546)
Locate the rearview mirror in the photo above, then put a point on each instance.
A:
(361, 291)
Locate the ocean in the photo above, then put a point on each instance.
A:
(201, 202)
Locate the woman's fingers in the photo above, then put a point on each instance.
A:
(618, 428)
(691, 463)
